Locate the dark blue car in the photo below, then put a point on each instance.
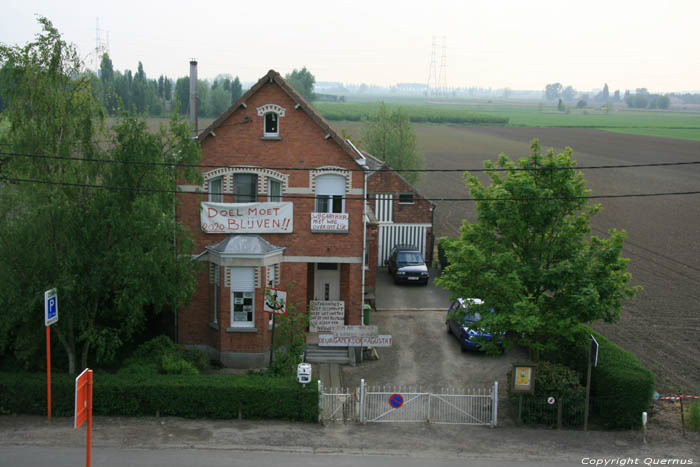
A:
(467, 330)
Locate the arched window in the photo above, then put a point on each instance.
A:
(330, 193)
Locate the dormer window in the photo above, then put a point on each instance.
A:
(272, 124)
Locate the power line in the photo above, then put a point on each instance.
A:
(218, 166)
(351, 198)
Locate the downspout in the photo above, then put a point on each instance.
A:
(364, 244)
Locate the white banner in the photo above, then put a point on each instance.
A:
(329, 340)
(326, 315)
(247, 217)
(329, 222)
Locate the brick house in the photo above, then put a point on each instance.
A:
(284, 203)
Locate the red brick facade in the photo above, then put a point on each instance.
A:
(304, 149)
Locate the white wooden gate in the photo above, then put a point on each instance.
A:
(391, 234)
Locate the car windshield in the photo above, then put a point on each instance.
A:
(410, 258)
(472, 317)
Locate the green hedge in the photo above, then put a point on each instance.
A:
(189, 396)
(623, 386)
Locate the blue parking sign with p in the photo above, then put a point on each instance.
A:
(50, 307)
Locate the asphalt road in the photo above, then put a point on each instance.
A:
(115, 457)
(404, 297)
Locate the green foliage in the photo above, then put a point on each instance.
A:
(416, 114)
(303, 81)
(190, 396)
(389, 136)
(620, 382)
(693, 416)
(97, 245)
(290, 337)
(530, 256)
(551, 380)
(444, 244)
(236, 90)
(162, 355)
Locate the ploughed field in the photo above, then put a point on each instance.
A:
(662, 324)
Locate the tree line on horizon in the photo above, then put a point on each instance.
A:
(640, 99)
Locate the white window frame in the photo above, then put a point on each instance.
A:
(413, 198)
(330, 191)
(270, 196)
(271, 134)
(216, 195)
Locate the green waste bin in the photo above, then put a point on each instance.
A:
(366, 309)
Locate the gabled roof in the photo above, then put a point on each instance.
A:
(374, 165)
(273, 76)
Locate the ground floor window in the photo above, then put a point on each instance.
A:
(242, 297)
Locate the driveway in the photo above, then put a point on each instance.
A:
(424, 355)
(390, 296)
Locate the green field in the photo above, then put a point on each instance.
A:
(669, 123)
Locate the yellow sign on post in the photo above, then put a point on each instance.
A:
(524, 378)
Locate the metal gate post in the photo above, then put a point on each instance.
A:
(362, 401)
(320, 400)
(494, 422)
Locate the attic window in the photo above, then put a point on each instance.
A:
(406, 198)
(271, 114)
(272, 124)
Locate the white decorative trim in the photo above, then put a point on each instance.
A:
(265, 108)
(330, 170)
(228, 172)
(227, 277)
(323, 259)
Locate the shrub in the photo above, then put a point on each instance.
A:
(444, 244)
(190, 396)
(623, 386)
(162, 355)
(694, 416)
(551, 380)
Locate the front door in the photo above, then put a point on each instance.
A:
(327, 281)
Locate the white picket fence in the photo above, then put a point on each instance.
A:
(382, 404)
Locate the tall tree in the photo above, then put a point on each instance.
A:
(389, 136)
(303, 81)
(606, 92)
(236, 90)
(530, 255)
(182, 94)
(108, 252)
(553, 91)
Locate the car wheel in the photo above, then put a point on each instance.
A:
(462, 347)
(449, 329)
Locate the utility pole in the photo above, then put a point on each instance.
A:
(432, 69)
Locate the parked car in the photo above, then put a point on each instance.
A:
(467, 330)
(406, 264)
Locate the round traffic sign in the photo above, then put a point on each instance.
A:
(551, 400)
(396, 400)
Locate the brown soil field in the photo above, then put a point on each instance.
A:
(662, 324)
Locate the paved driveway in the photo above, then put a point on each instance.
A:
(390, 296)
(425, 355)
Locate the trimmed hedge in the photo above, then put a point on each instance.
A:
(189, 396)
(623, 386)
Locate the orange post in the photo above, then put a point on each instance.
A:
(48, 368)
(88, 453)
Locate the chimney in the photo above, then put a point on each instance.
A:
(193, 96)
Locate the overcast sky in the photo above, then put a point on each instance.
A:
(520, 44)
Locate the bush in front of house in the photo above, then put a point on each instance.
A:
(162, 355)
(143, 394)
(622, 386)
(551, 380)
(444, 244)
